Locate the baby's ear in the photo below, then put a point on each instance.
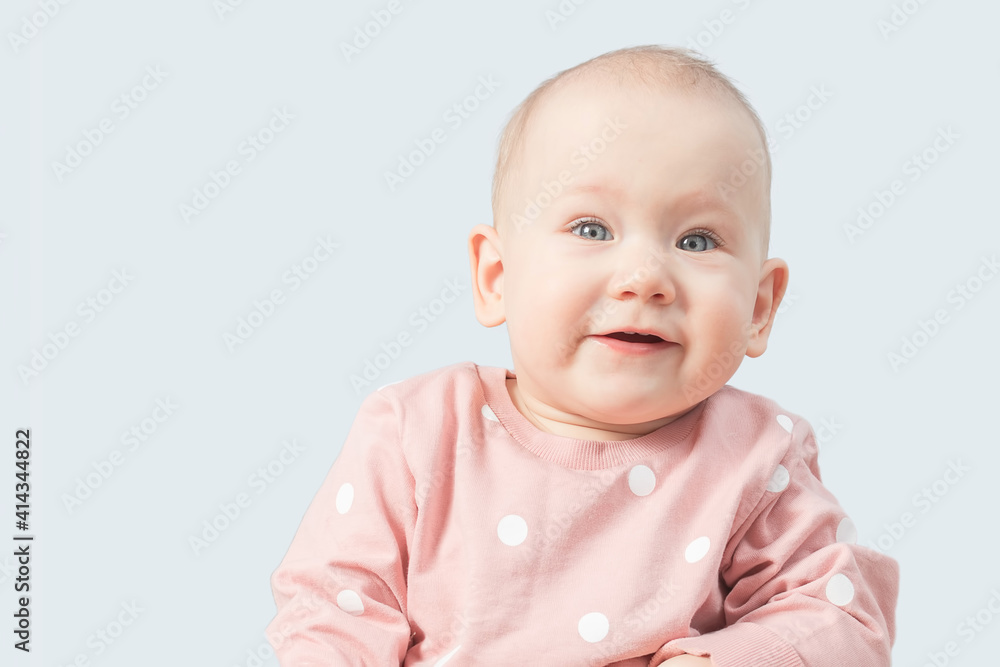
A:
(487, 275)
(770, 290)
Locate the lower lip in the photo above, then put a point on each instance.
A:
(632, 348)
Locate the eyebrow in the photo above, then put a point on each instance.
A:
(696, 200)
(594, 187)
(700, 200)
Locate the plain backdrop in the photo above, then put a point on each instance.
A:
(852, 93)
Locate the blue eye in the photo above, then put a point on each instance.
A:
(591, 229)
(699, 242)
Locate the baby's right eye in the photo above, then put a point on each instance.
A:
(590, 228)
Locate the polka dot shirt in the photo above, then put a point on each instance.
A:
(451, 530)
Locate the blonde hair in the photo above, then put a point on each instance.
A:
(653, 66)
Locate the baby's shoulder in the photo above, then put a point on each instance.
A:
(756, 421)
(448, 385)
(730, 396)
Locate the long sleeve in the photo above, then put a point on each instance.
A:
(341, 588)
(801, 593)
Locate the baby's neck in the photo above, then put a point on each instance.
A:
(569, 429)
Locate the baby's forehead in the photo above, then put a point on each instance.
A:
(606, 90)
(596, 110)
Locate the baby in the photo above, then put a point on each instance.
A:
(611, 500)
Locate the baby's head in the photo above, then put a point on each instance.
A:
(632, 194)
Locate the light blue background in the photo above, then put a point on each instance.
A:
(849, 304)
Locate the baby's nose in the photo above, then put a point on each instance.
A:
(646, 274)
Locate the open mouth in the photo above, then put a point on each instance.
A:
(632, 343)
(631, 337)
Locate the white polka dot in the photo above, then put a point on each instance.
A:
(345, 497)
(779, 480)
(697, 549)
(641, 480)
(847, 531)
(785, 422)
(512, 530)
(839, 590)
(593, 627)
(350, 602)
(489, 414)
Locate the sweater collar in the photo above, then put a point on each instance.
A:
(573, 452)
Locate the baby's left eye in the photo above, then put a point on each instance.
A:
(697, 242)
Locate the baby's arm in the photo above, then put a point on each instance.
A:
(801, 592)
(341, 588)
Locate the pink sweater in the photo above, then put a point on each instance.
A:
(451, 530)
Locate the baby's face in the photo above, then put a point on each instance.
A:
(640, 238)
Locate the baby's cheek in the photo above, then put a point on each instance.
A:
(724, 318)
(718, 344)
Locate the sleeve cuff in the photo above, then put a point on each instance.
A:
(739, 645)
